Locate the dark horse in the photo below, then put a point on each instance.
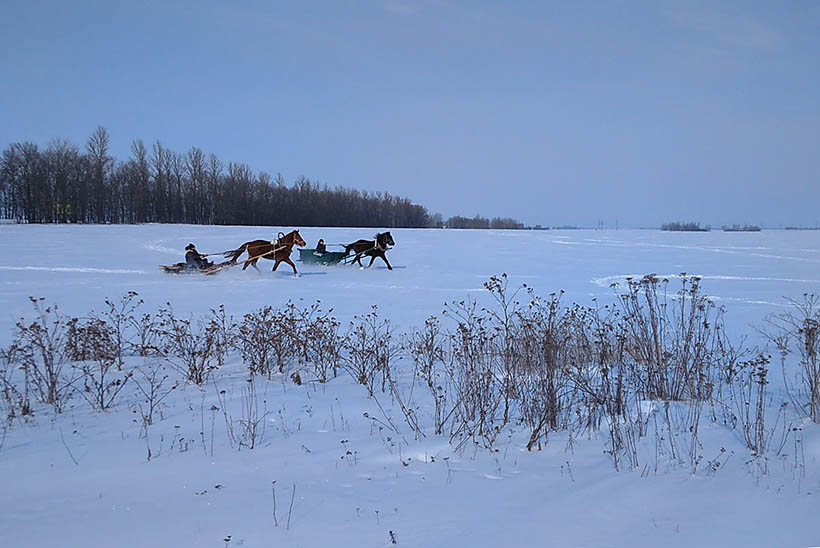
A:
(278, 250)
(371, 248)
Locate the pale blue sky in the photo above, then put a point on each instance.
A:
(551, 112)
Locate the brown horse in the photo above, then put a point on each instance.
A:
(278, 250)
(371, 248)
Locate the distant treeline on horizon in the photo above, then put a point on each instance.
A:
(684, 227)
(696, 227)
(62, 184)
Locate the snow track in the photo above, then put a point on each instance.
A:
(606, 281)
(79, 269)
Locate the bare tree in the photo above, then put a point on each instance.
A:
(100, 163)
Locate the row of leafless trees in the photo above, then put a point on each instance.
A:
(482, 222)
(650, 362)
(62, 184)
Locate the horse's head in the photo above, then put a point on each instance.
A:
(385, 240)
(297, 239)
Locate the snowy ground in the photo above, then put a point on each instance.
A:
(83, 478)
(76, 266)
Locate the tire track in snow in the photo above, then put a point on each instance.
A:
(73, 269)
(607, 280)
(727, 250)
(157, 246)
(747, 301)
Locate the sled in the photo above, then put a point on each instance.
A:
(183, 268)
(309, 256)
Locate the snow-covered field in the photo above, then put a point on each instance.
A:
(77, 266)
(83, 478)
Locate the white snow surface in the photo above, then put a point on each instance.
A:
(83, 478)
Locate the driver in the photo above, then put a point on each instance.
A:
(193, 259)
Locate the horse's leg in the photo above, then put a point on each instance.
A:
(384, 258)
(293, 266)
(372, 258)
(276, 264)
(253, 258)
(249, 261)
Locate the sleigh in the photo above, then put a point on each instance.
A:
(184, 268)
(311, 256)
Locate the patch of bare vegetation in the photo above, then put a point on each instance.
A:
(649, 369)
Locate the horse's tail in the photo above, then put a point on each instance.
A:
(233, 255)
(348, 247)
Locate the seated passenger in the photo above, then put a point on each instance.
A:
(194, 260)
(320, 248)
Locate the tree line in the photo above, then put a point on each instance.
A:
(63, 184)
(684, 227)
(478, 221)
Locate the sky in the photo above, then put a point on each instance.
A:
(555, 113)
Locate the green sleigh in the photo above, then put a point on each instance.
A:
(309, 256)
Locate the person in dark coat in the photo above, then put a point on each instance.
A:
(193, 259)
(320, 247)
